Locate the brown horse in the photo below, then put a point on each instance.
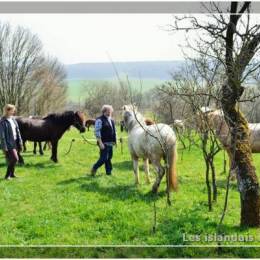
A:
(149, 121)
(50, 128)
(90, 122)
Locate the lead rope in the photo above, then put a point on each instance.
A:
(87, 141)
(71, 142)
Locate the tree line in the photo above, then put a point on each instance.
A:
(30, 79)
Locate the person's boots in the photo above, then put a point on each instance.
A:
(93, 172)
(7, 176)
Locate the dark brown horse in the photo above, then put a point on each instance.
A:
(35, 143)
(50, 128)
(90, 122)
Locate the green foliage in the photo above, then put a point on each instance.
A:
(77, 92)
(60, 204)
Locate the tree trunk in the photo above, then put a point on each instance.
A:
(214, 185)
(208, 186)
(241, 150)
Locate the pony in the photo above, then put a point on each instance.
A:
(36, 143)
(50, 128)
(90, 122)
(216, 121)
(154, 143)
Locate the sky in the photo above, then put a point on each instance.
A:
(79, 38)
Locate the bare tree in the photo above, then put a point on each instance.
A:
(196, 87)
(49, 81)
(234, 40)
(98, 94)
(20, 55)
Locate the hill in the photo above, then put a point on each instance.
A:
(144, 69)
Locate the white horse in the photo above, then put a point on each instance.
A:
(151, 143)
(178, 125)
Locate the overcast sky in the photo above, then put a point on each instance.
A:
(75, 38)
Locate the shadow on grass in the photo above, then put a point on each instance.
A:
(126, 165)
(223, 184)
(193, 221)
(79, 180)
(117, 191)
(43, 165)
(121, 192)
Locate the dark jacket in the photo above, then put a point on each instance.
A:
(108, 133)
(7, 137)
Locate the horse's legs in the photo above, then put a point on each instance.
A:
(24, 146)
(160, 173)
(54, 145)
(136, 169)
(20, 158)
(40, 148)
(146, 170)
(45, 146)
(34, 147)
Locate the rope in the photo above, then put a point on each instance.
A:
(72, 141)
(88, 141)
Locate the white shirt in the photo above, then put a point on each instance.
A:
(109, 120)
(11, 121)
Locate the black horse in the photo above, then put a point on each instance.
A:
(50, 128)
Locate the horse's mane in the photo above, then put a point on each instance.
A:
(60, 117)
(135, 119)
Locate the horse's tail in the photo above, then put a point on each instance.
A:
(172, 174)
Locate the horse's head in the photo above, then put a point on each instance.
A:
(128, 116)
(79, 121)
(129, 107)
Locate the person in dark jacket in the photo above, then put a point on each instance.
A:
(10, 139)
(105, 132)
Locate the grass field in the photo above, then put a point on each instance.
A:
(77, 92)
(60, 204)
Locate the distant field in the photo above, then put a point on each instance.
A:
(77, 92)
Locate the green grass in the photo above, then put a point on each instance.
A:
(58, 204)
(77, 92)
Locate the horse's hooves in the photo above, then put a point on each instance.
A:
(41, 153)
(54, 160)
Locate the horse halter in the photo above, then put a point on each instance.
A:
(78, 125)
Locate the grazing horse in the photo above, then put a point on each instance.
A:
(50, 128)
(216, 122)
(154, 143)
